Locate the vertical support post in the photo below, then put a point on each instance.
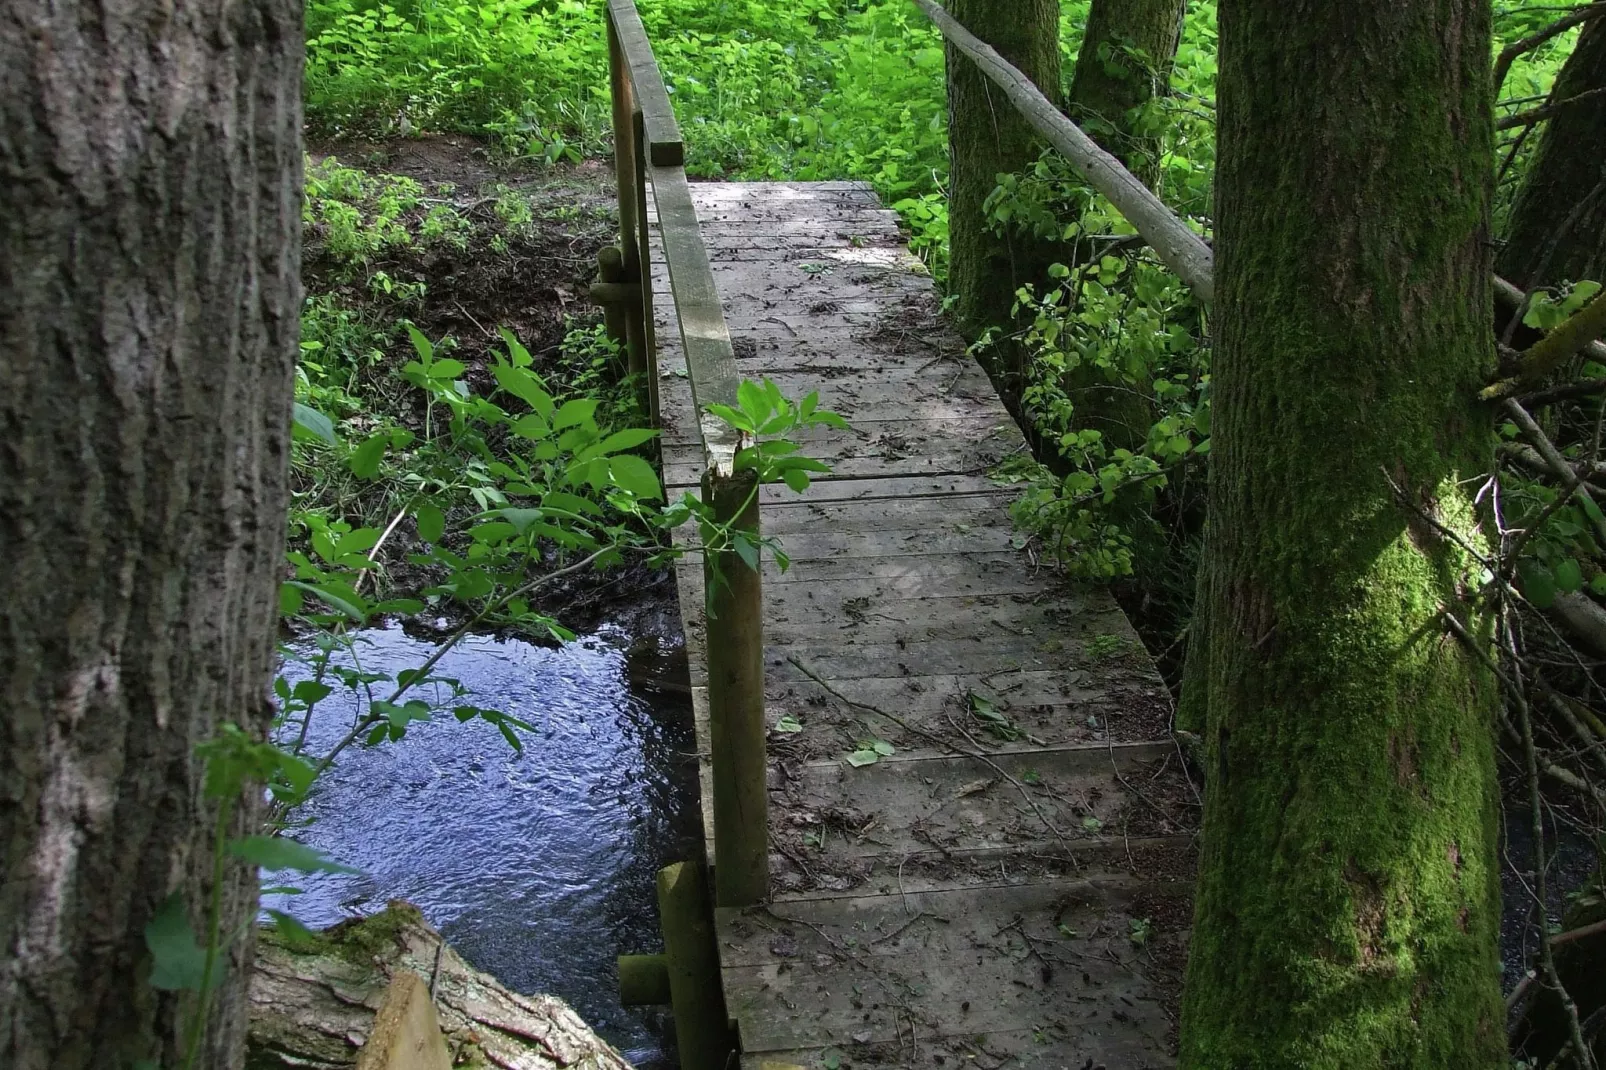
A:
(735, 612)
(610, 270)
(702, 1029)
(628, 175)
(648, 350)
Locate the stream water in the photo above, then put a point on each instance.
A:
(537, 867)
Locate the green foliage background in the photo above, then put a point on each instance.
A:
(833, 89)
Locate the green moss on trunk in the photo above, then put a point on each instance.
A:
(1568, 166)
(1125, 60)
(1128, 49)
(987, 137)
(1348, 903)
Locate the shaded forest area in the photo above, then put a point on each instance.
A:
(1389, 649)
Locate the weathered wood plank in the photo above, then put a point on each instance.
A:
(933, 891)
(704, 338)
(662, 133)
(952, 964)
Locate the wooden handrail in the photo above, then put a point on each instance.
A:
(650, 159)
(660, 130)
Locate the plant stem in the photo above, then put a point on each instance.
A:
(214, 922)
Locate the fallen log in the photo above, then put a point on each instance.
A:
(313, 1001)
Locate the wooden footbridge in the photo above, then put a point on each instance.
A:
(1007, 883)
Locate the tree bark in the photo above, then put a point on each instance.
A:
(312, 1005)
(1348, 902)
(1568, 171)
(988, 137)
(1128, 49)
(149, 302)
(1125, 60)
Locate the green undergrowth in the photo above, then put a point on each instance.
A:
(834, 89)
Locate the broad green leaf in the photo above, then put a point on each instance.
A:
(574, 413)
(788, 724)
(861, 758)
(289, 600)
(734, 417)
(746, 549)
(515, 349)
(883, 748)
(1569, 577)
(628, 439)
(310, 691)
(447, 369)
(526, 386)
(277, 852)
(421, 344)
(796, 479)
(306, 420)
(431, 522)
(364, 460)
(179, 961)
(630, 473)
(519, 518)
(750, 396)
(405, 607)
(570, 503)
(532, 426)
(338, 596)
(495, 532)
(1538, 585)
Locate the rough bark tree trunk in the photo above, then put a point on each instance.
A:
(987, 137)
(1348, 902)
(1568, 167)
(149, 301)
(1110, 83)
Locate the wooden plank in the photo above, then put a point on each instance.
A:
(407, 1032)
(932, 891)
(952, 964)
(703, 335)
(664, 146)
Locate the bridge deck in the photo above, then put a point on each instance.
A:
(1010, 886)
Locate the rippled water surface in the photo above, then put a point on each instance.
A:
(538, 867)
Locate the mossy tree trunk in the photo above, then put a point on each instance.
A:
(1128, 49)
(1124, 62)
(986, 138)
(149, 309)
(1348, 901)
(1568, 171)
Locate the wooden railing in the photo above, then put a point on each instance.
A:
(649, 159)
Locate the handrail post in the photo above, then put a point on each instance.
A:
(735, 638)
(630, 177)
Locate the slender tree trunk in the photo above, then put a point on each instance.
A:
(1557, 230)
(1127, 52)
(1348, 902)
(150, 157)
(987, 137)
(1125, 60)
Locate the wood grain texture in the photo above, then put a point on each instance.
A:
(929, 890)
